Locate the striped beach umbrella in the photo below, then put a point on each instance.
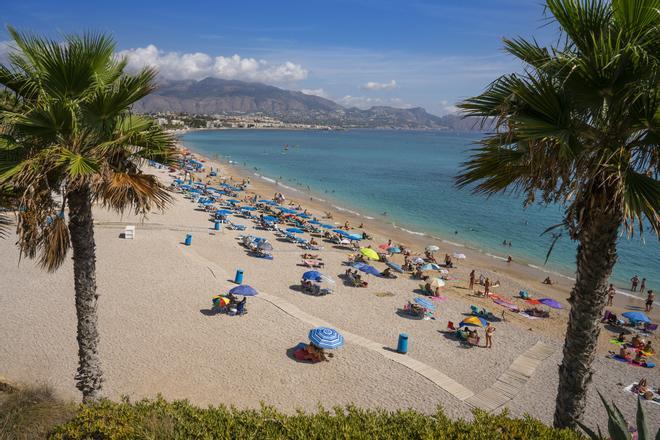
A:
(426, 303)
(475, 321)
(325, 337)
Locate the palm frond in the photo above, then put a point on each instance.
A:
(54, 243)
(139, 192)
(641, 196)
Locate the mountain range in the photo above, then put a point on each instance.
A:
(221, 96)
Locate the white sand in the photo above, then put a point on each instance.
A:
(157, 335)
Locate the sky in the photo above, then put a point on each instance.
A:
(360, 53)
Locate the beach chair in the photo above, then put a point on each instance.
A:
(129, 232)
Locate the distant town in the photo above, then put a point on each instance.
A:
(185, 121)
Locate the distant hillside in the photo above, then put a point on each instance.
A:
(217, 96)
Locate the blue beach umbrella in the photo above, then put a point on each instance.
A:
(233, 201)
(637, 317)
(313, 275)
(223, 212)
(270, 218)
(369, 269)
(340, 232)
(426, 303)
(288, 211)
(295, 230)
(324, 337)
(314, 222)
(394, 250)
(248, 208)
(326, 226)
(178, 181)
(303, 215)
(243, 290)
(265, 201)
(430, 266)
(354, 237)
(394, 266)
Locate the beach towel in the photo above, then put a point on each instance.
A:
(656, 396)
(438, 298)
(618, 358)
(617, 342)
(510, 306)
(528, 316)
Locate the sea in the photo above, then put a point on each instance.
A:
(407, 178)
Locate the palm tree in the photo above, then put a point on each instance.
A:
(69, 141)
(579, 126)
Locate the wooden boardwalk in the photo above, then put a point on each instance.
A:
(509, 384)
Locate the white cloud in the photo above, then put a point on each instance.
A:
(316, 92)
(365, 102)
(446, 107)
(372, 85)
(198, 65)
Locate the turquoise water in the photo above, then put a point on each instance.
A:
(410, 175)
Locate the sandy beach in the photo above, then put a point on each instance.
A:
(159, 334)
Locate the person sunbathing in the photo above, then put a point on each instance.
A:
(648, 348)
(429, 257)
(387, 273)
(636, 342)
(623, 353)
(537, 313)
(311, 257)
(621, 337)
(640, 358)
(417, 273)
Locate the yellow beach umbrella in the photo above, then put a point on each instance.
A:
(369, 253)
(474, 320)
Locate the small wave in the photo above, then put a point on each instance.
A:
(408, 230)
(368, 217)
(290, 188)
(551, 272)
(452, 243)
(497, 257)
(339, 208)
(268, 179)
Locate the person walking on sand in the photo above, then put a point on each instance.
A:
(649, 301)
(634, 281)
(489, 335)
(472, 275)
(487, 286)
(611, 291)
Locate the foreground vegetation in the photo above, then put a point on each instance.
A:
(35, 413)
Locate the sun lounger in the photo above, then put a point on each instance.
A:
(129, 232)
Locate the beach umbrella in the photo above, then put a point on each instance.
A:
(459, 256)
(426, 303)
(295, 230)
(324, 337)
(223, 212)
(243, 290)
(288, 211)
(313, 275)
(550, 303)
(369, 253)
(474, 321)
(178, 181)
(430, 266)
(417, 260)
(326, 226)
(303, 215)
(233, 201)
(314, 222)
(340, 232)
(248, 208)
(637, 317)
(265, 246)
(394, 266)
(437, 282)
(369, 269)
(220, 301)
(355, 237)
(268, 202)
(394, 250)
(270, 218)
(432, 248)
(383, 246)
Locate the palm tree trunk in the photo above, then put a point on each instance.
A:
(81, 228)
(596, 256)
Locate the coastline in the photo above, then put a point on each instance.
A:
(525, 272)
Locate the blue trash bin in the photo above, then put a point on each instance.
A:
(217, 225)
(188, 241)
(402, 347)
(238, 279)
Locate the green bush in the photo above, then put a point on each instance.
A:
(159, 419)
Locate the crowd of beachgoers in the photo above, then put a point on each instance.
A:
(239, 294)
